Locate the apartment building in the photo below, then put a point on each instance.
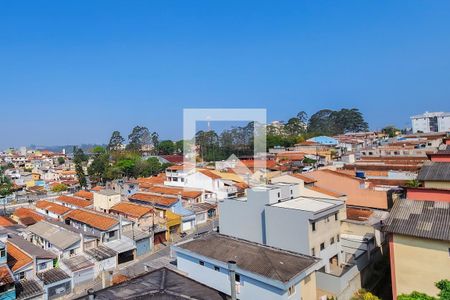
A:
(431, 122)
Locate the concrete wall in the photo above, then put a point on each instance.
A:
(445, 185)
(248, 289)
(419, 263)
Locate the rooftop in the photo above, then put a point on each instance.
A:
(160, 284)
(28, 289)
(84, 194)
(108, 192)
(79, 202)
(424, 219)
(101, 253)
(52, 276)
(77, 263)
(17, 258)
(93, 219)
(309, 204)
(55, 234)
(53, 207)
(269, 262)
(29, 248)
(156, 199)
(27, 216)
(131, 209)
(435, 171)
(5, 276)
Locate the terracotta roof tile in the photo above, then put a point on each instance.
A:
(154, 198)
(304, 178)
(97, 188)
(209, 174)
(131, 209)
(185, 193)
(6, 221)
(92, 219)
(27, 213)
(53, 207)
(5, 276)
(325, 191)
(84, 194)
(79, 202)
(17, 258)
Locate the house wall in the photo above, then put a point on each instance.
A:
(418, 264)
(248, 289)
(445, 185)
(355, 190)
(104, 202)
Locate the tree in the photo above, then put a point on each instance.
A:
(362, 294)
(179, 146)
(329, 122)
(294, 127)
(139, 137)
(166, 147)
(322, 122)
(116, 141)
(154, 138)
(390, 130)
(99, 166)
(79, 158)
(61, 160)
(444, 294)
(58, 188)
(413, 183)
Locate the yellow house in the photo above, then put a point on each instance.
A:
(419, 245)
(104, 200)
(173, 223)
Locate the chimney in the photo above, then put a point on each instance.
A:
(232, 268)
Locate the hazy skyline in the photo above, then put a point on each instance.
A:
(73, 72)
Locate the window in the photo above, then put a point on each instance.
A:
(291, 290)
(2, 253)
(279, 195)
(72, 251)
(337, 238)
(332, 241)
(201, 262)
(313, 225)
(21, 275)
(322, 246)
(237, 277)
(111, 234)
(307, 279)
(313, 252)
(216, 268)
(336, 217)
(42, 266)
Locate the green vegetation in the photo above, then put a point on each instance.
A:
(61, 160)
(390, 130)
(444, 294)
(80, 159)
(362, 294)
(6, 186)
(413, 183)
(58, 188)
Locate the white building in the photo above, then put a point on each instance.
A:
(431, 122)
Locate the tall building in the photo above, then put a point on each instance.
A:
(431, 122)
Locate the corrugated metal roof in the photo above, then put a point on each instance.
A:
(56, 235)
(52, 276)
(435, 171)
(28, 289)
(425, 219)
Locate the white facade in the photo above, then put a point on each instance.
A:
(431, 122)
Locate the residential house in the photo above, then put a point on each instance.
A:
(105, 199)
(253, 270)
(85, 195)
(26, 216)
(419, 245)
(7, 287)
(142, 216)
(56, 239)
(51, 209)
(73, 202)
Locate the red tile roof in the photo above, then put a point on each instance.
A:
(304, 178)
(84, 194)
(325, 191)
(185, 193)
(5, 276)
(27, 216)
(17, 258)
(6, 221)
(97, 188)
(209, 174)
(92, 219)
(131, 209)
(150, 181)
(79, 202)
(53, 207)
(154, 198)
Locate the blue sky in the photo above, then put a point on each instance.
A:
(73, 71)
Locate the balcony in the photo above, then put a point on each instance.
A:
(337, 279)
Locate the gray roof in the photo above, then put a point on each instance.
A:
(435, 171)
(28, 289)
(73, 229)
(56, 235)
(136, 234)
(425, 219)
(266, 261)
(30, 248)
(201, 207)
(160, 284)
(52, 276)
(101, 253)
(77, 263)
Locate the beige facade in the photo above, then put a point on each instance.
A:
(443, 185)
(308, 287)
(419, 263)
(105, 199)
